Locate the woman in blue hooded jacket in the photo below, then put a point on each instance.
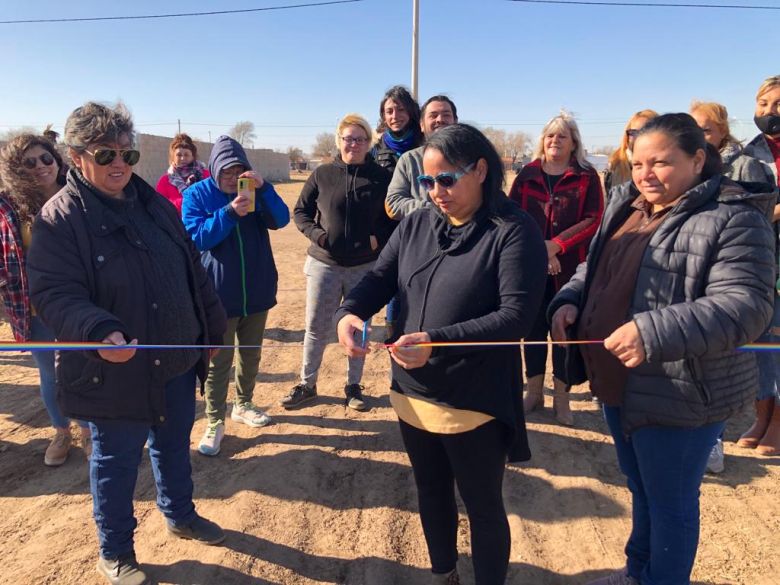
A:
(237, 255)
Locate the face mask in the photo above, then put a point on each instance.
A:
(769, 124)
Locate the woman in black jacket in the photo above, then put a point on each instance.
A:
(679, 276)
(341, 210)
(471, 269)
(110, 262)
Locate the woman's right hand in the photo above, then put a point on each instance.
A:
(348, 328)
(563, 318)
(117, 356)
(240, 205)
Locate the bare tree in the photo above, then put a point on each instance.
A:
(295, 154)
(324, 145)
(608, 150)
(244, 133)
(517, 144)
(498, 138)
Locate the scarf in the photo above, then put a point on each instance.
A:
(183, 177)
(399, 145)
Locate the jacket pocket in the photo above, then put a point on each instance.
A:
(80, 375)
(697, 378)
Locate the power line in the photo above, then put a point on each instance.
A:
(649, 4)
(180, 14)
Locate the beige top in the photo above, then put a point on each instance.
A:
(434, 418)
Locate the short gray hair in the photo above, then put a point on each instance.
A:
(95, 123)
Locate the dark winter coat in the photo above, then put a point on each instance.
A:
(483, 281)
(89, 276)
(705, 287)
(340, 207)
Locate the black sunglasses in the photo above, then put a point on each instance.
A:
(632, 133)
(105, 156)
(32, 161)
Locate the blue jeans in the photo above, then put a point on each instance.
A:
(769, 362)
(44, 360)
(664, 467)
(116, 454)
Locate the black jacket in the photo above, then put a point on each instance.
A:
(89, 277)
(346, 204)
(481, 282)
(705, 286)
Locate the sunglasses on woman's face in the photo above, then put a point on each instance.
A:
(446, 180)
(632, 133)
(105, 156)
(32, 161)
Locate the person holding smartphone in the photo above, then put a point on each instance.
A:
(231, 230)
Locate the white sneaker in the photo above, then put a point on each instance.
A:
(715, 460)
(212, 439)
(250, 415)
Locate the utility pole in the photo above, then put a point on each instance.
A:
(179, 122)
(415, 44)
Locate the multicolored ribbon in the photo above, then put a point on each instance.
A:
(6, 346)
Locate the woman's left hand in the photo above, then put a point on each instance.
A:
(625, 344)
(253, 175)
(412, 357)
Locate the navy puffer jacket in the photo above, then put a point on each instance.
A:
(705, 287)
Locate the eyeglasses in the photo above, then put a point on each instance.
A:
(446, 180)
(105, 156)
(349, 141)
(32, 161)
(632, 133)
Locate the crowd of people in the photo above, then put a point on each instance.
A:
(670, 258)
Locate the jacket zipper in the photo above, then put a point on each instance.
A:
(243, 269)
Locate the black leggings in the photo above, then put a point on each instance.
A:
(475, 460)
(536, 355)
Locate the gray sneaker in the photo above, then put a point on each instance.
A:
(299, 395)
(199, 529)
(715, 460)
(450, 578)
(212, 439)
(122, 571)
(249, 414)
(620, 577)
(354, 398)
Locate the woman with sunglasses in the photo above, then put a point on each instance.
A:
(619, 166)
(110, 263)
(184, 169)
(679, 276)
(468, 269)
(31, 172)
(341, 210)
(562, 192)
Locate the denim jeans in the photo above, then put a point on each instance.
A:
(44, 360)
(116, 454)
(664, 467)
(769, 361)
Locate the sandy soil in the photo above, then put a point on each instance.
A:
(325, 495)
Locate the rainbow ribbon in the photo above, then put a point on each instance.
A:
(6, 346)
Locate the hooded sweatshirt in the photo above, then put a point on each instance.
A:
(236, 251)
(340, 207)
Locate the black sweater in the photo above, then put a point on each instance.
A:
(345, 203)
(483, 281)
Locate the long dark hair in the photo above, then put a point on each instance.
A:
(398, 93)
(19, 186)
(462, 145)
(688, 137)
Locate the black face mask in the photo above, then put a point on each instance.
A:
(769, 124)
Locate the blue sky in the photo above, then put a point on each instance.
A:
(294, 73)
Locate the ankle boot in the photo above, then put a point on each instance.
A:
(751, 437)
(769, 445)
(563, 413)
(534, 395)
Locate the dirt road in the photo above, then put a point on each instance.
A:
(325, 495)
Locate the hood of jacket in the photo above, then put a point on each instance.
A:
(226, 153)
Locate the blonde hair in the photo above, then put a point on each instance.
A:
(353, 120)
(769, 83)
(618, 162)
(563, 121)
(719, 116)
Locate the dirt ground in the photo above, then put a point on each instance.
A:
(326, 495)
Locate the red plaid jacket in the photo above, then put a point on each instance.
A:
(13, 275)
(569, 216)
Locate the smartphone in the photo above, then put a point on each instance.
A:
(246, 188)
